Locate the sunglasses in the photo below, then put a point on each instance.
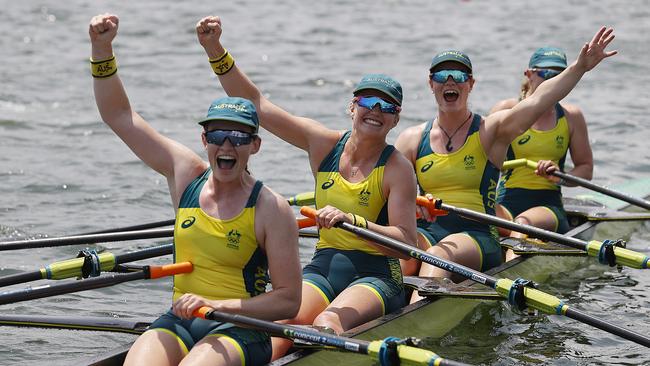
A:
(371, 102)
(547, 73)
(443, 75)
(237, 138)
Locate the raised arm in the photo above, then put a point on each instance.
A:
(504, 126)
(301, 132)
(162, 154)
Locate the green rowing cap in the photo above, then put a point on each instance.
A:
(233, 109)
(451, 55)
(548, 57)
(382, 83)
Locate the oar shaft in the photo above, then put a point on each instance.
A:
(20, 278)
(407, 355)
(150, 272)
(526, 229)
(606, 191)
(70, 287)
(87, 239)
(611, 328)
(150, 225)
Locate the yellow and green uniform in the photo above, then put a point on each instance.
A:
(464, 178)
(521, 189)
(228, 264)
(342, 259)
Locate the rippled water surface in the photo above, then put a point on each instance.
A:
(62, 171)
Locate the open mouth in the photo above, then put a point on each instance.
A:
(226, 162)
(450, 95)
(372, 121)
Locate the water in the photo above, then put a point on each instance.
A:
(62, 171)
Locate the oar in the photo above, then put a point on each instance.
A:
(511, 164)
(150, 225)
(390, 351)
(148, 272)
(86, 239)
(606, 252)
(94, 323)
(102, 238)
(89, 264)
(516, 292)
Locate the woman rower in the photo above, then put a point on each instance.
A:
(360, 179)
(230, 226)
(458, 154)
(533, 197)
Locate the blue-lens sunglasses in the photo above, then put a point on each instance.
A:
(547, 73)
(371, 102)
(237, 138)
(442, 76)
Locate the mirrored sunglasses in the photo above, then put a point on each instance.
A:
(547, 73)
(443, 75)
(237, 138)
(371, 102)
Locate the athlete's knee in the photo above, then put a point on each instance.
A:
(328, 319)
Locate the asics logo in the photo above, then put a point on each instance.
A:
(426, 166)
(328, 184)
(188, 222)
(523, 140)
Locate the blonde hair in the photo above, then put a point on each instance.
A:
(525, 88)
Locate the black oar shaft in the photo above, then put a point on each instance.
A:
(611, 328)
(150, 225)
(20, 278)
(526, 229)
(344, 343)
(609, 192)
(420, 254)
(87, 239)
(152, 252)
(70, 287)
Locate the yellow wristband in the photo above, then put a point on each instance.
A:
(222, 64)
(359, 221)
(103, 68)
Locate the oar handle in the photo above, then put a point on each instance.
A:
(302, 199)
(169, 269)
(518, 163)
(309, 212)
(305, 222)
(430, 205)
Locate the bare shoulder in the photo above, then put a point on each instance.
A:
(572, 110)
(272, 207)
(399, 169)
(504, 104)
(408, 140)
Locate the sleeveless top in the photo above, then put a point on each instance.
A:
(364, 198)
(228, 262)
(537, 145)
(464, 178)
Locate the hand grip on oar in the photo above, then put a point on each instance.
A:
(511, 164)
(387, 352)
(169, 269)
(533, 298)
(306, 222)
(430, 205)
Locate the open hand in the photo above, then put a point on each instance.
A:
(593, 52)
